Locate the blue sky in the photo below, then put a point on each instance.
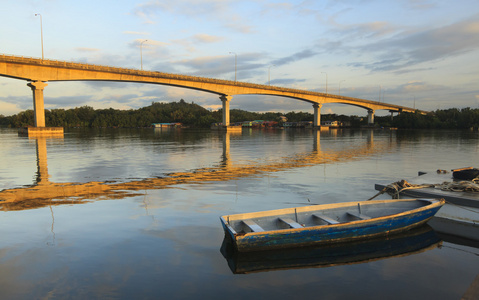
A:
(408, 52)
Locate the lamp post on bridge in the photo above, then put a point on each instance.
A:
(269, 69)
(236, 57)
(141, 53)
(326, 81)
(41, 30)
(339, 88)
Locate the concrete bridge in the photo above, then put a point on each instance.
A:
(38, 72)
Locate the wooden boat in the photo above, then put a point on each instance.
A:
(327, 223)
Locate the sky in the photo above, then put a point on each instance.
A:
(415, 53)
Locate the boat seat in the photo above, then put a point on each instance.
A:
(291, 223)
(359, 216)
(326, 219)
(253, 226)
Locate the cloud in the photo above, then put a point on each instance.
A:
(99, 85)
(9, 107)
(136, 33)
(146, 43)
(226, 12)
(216, 66)
(206, 38)
(84, 49)
(261, 103)
(421, 4)
(373, 29)
(67, 101)
(23, 102)
(240, 27)
(196, 8)
(294, 57)
(198, 39)
(417, 87)
(410, 49)
(361, 31)
(207, 66)
(286, 81)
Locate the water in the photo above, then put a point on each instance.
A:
(134, 214)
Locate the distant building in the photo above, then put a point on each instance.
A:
(330, 123)
(167, 125)
(301, 124)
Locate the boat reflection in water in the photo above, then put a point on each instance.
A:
(411, 242)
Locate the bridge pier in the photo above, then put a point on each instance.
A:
(38, 104)
(370, 116)
(317, 115)
(392, 114)
(39, 113)
(225, 99)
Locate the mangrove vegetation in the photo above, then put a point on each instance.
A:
(193, 115)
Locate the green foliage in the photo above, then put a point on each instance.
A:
(299, 116)
(453, 118)
(193, 115)
(22, 119)
(85, 116)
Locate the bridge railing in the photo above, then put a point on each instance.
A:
(129, 71)
(96, 67)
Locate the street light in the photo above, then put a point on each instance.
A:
(141, 53)
(339, 88)
(269, 70)
(41, 30)
(235, 62)
(380, 87)
(326, 81)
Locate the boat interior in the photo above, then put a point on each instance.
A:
(294, 218)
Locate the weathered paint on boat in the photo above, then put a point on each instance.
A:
(332, 233)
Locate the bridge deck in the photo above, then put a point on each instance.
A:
(218, 86)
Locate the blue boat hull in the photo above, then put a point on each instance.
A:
(342, 232)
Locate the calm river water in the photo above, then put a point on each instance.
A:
(134, 214)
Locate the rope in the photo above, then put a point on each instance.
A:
(395, 188)
(460, 186)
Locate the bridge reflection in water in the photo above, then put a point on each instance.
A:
(43, 192)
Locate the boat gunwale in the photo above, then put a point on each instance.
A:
(433, 203)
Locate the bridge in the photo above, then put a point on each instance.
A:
(39, 71)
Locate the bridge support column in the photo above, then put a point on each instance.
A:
(392, 114)
(226, 109)
(370, 117)
(38, 106)
(39, 111)
(317, 115)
